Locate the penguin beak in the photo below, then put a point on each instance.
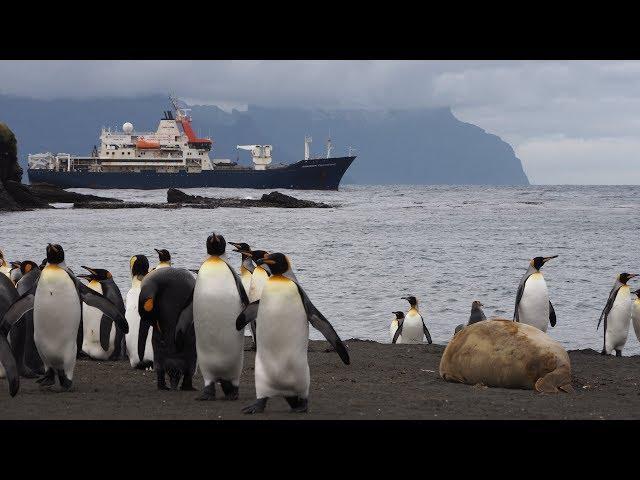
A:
(238, 249)
(85, 276)
(546, 259)
(90, 270)
(157, 251)
(631, 275)
(265, 261)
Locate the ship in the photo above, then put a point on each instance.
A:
(174, 156)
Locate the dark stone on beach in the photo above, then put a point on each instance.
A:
(53, 194)
(24, 196)
(120, 204)
(273, 200)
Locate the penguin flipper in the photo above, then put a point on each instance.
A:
(105, 332)
(16, 312)
(29, 282)
(398, 331)
(607, 308)
(248, 315)
(425, 330)
(185, 320)
(102, 303)
(552, 315)
(9, 363)
(516, 316)
(244, 298)
(320, 323)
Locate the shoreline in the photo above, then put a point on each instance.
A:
(384, 381)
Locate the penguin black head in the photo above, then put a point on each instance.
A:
(163, 255)
(216, 244)
(258, 254)
(412, 300)
(625, 277)
(98, 273)
(278, 263)
(538, 262)
(476, 305)
(27, 266)
(637, 293)
(43, 264)
(15, 265)
(55, 254)
(139, 265)
(399, 315)
(242, 248)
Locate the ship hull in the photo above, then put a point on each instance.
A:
(315, 174)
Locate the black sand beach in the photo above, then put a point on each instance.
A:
(383, 382)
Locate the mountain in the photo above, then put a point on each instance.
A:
(419, 146)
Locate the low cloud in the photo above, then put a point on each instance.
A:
(577, 110)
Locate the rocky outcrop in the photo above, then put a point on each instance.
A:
(272, 200)
(53, 194)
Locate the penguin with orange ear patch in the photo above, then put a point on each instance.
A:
(166, 304)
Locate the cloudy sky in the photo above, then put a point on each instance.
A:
(569, 122)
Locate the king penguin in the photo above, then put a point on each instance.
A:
(22, 343)
(617, 315)
(412, 329)
(477, 315)
(57, 316)
(398, 317)
(533, 306)
(139, 268)
(166, 303)
(8, 364)
(246, 274)
(282, 316)
(5, 268)
(164, 258)
(102, 340)
(218, 299)
(635, 315)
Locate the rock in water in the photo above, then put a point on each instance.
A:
(273, 199)
(503, 353)
(291, 202)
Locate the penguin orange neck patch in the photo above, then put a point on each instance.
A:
(148, 305)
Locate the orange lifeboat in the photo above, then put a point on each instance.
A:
(142, 143)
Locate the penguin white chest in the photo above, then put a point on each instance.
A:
(412, 331)
(618, 320)
(91, 319)
(245, 277)
(133, 319)
(258, 281)
(56, 319)
(282, 329)
(635, 316)
(216, 305)
(393, 328)
(533, 308)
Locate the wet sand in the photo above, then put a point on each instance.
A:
(383, 382)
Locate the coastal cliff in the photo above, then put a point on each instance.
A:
(417, 146)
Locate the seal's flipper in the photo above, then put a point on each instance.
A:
(552, 381)
(552, 315)
(248, 315)
(10, 366)
(323, 326)
(568, 388)
(102, 303)
(16, 313)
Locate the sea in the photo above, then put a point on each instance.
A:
(446, 245)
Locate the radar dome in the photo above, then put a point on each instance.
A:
(127, 127)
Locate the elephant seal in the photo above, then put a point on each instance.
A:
(503, 353)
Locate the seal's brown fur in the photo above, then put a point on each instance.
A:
(502, 353)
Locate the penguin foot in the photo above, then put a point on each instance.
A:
(209, 393)
(257, 407)
(28, 373)
(163, 387)
(48, 379)
(298, 404)
(65, 383)
(618, 353)
(231, 392)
